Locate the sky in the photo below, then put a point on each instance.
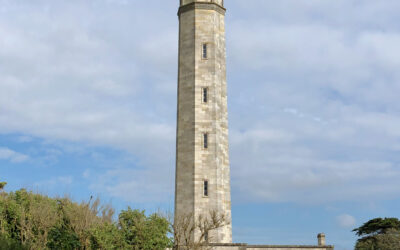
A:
(88, 107)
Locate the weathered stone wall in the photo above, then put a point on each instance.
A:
(185, 153)
(202, 24)
(268, 247)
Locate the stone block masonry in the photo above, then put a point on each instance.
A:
(202, 159)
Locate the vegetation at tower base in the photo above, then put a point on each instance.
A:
(2, 185)
(379, 234)
(185, 227)
(34, 221)
(146, 232)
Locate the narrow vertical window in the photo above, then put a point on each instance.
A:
(205, 140)
(204, 51)
(205, 95)
(205, 188)
(206, 236)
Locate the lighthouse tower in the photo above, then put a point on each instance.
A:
(202, 153)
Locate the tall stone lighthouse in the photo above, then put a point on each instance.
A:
(202, 155)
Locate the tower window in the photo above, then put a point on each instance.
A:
(205, 140)
(205, 95)
(205, 191)
(204, 51)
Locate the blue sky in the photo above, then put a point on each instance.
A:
(88, 107)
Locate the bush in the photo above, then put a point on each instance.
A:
(107, 236)
(142, 232)
(34, 221)
(7, 244)
(62, 237)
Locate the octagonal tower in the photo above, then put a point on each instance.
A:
(202, 154)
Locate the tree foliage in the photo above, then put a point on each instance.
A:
(377, 226)
(107, 236)
(379, 234)
(7, 244)
(2, 185)
(34, 221)
(144, 232)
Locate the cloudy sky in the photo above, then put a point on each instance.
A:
(88, 107)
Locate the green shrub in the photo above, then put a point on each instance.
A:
(142, 232)
(107, 236)
(7, 244)
(34, 221)
(63, 237)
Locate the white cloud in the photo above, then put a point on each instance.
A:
(334, 77)
(91, 73)
(55, 181)
(346, 221)
(24, 139)
(154, 184)
(86, 174)
(8, 154)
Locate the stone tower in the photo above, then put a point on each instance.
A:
(202, 155)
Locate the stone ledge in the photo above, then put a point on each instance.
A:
(290, 246)
(201, 6)
(270, 246)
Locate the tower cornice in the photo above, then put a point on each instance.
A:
(202, 6)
